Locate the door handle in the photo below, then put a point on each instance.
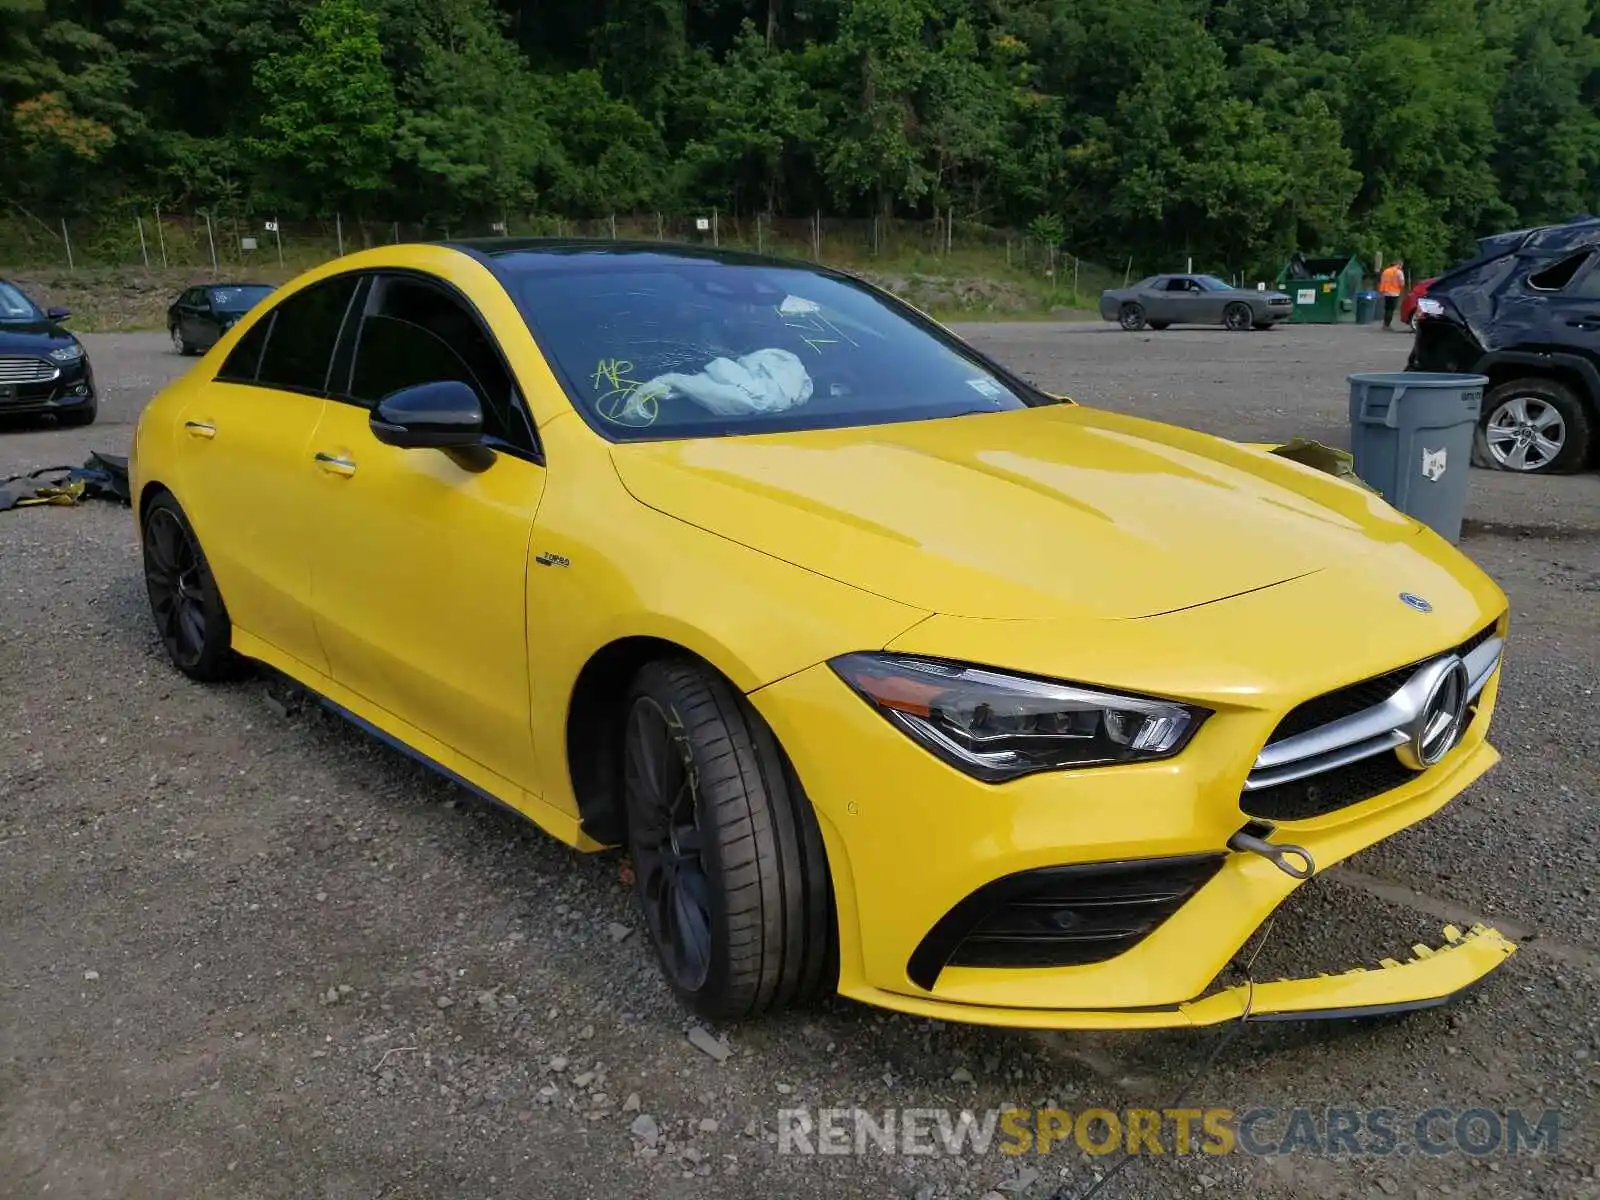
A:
(200, 429)
(334, 465)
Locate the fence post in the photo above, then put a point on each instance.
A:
(816, 236)
(277, 234)
(1127, 271)
(67, 242)
(613, 227)
(338, 232)
(144, 250)
(161, 238)
(1075, 261)
(950, 229)
(212, 239)
(874, 235)
(760, 241)
(714, 240)
(658, 227)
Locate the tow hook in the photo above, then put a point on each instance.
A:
(1278, 855)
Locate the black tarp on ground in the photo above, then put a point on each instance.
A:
(102, 477)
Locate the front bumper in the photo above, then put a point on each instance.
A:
(73, 387)
(909, 839)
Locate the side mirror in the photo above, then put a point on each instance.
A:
(58, 314)
(429, 416)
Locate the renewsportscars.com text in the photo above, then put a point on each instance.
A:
(1261, 1132)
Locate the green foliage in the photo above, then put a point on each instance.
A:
(328, 108)
(472, 124)
(1230, 131)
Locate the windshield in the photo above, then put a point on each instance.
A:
(654, 346)
(238, 298)
(1212, 284)
(14, 306)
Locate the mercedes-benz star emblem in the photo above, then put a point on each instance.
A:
(1438, 725)
(1416, 602)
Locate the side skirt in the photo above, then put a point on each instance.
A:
(417, 745)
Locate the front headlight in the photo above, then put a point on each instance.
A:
(66, 354)
(999, 726)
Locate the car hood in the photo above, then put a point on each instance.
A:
(1038, 513)
(32, 337)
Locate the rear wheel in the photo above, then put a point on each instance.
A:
(1131, 317)
(728, 860)
(1237, 316)
(179, 342)
(1533, 425)
(188, 610)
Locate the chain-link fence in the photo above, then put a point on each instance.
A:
(234, 242)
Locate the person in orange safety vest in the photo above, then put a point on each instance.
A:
(1392, 285)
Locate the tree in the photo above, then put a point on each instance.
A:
(1551, 169)
(757, 116)
(472, 123)
(872, 74)
(328, 108)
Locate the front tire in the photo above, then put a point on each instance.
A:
(1533, 425)
(180, 343)
(1131, 317)
(190, 617)
(728, 861)
(1237, 317)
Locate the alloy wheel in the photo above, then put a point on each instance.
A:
(1525, 433)
(1237, 317)
(665, 836)
(173, 578)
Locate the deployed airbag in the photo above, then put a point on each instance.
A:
(766, 381)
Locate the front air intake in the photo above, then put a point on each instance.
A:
(1060, 916)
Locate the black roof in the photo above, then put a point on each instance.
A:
(529, 251)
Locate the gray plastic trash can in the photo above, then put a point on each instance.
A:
(1411, 436)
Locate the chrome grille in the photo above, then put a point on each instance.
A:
(27, 370)
(1361, 721)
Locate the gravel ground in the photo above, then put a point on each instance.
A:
(250, 953)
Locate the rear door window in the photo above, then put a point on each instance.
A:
(305, 329)
(1586, 286)
(1558, 274)
(244, 360)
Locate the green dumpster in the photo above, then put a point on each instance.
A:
(1323, 290)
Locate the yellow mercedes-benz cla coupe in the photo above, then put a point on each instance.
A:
(893, 674)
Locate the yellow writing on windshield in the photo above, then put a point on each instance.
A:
(620, 401)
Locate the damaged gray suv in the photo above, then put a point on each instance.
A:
(1525, 311)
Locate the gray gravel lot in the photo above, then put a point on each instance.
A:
(250, 954)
